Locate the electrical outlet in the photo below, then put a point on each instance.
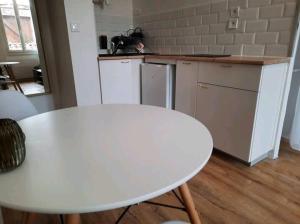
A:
(235, 12)
(233, 23)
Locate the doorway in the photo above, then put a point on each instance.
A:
(22, 65)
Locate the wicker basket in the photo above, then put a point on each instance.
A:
(12, 145)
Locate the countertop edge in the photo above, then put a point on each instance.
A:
(230, 60)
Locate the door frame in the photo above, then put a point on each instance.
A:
(293, 50)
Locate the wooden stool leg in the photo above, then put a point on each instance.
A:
(72, 219)
(189, 204)
(14, 85)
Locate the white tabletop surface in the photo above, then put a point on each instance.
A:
(9, 62)
(103, 157)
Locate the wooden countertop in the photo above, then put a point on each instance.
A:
(250, 60)
(120, 57)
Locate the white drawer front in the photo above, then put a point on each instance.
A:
(238, 76)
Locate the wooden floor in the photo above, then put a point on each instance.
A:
(226, 191)
(30, 88)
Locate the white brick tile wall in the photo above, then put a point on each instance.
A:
(257, 26)
(203, 9)
(233, 49)
(282, 1)
(170, 41)
(244, 38)
(249, 14)
(265, 28)
(255, 3)
(276, 50)
(285, 37)
(201, 49)
(219, 6)
(187, 50)
(189, 12)
(266, 38)
(254, 50)
(290, 9)
(182, 23)
(281, 24)
(208, 39)
(225, 39)
(216, 49)
(210, 19)
(175, 50)
(217, 28)
(195, 21)
(273, 11)
(202, 29)
(238, 3)
(224, 16)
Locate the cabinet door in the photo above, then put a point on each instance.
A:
(228, 114)
(186, 85)
(119, 83)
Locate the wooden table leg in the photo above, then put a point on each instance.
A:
(72, 219)
(189, 204)
(12, 76)
(30, 218)
(1, 217)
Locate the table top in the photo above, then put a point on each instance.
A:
(9, 62)
(97, 158)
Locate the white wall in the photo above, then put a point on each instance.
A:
(64, 86)
(83, 46)
(114, 19)
(201, 26)
(146, 7)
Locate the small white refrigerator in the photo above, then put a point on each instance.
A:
(158, 85)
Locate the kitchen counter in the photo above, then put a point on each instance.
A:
(230, 60)
(116, 57)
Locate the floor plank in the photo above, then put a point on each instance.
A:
(226, 191)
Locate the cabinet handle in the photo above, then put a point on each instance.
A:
(226, 66)
(203, 86)
(125, 62)
(186, 63)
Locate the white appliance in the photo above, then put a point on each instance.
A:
(120, 81)
(157, 85)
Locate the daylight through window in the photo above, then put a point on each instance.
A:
(18, 25)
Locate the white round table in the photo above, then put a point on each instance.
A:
(8, 67)
(97, 158)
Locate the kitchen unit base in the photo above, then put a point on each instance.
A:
(240, 104)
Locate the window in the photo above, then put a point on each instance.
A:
(18, 25)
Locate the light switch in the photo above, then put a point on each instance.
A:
(233, 23)
(75, 27)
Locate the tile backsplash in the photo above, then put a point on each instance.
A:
(265, 27)
(113, 19)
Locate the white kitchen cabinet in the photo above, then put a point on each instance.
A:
(186, 86)
(229, 114)
(240, 105)
(120, 81)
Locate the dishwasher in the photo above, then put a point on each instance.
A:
(158, 85)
